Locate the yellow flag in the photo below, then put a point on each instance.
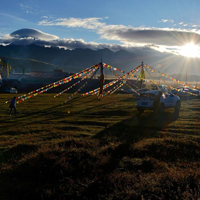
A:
(142, 74)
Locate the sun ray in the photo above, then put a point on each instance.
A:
(190, 50)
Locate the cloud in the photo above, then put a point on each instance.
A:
(31, 10)
(87, 23)
(129, 34)
(167, 20)
(158, 36)
(26, 8)
(32, 34)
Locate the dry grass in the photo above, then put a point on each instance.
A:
(90, 149)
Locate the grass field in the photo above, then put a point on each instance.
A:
(90, 149)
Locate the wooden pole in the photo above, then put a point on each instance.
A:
(141, 81)
(101, 80)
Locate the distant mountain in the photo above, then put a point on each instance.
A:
(186, 77)
(33, 58)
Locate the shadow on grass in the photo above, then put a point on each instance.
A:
(111, 113)
(16, 152)
(195, 109)
(54, 112)
(80, 98)
(69, 128)
(14, 133)
(188, 97)
(88, 123)
(138, 127)
(130, 99)
(130, 131)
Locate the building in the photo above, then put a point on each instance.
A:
(4, 68)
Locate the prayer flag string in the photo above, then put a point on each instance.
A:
(70, 97)
(53, 85)
(93, 70)
(126, 81)
(178, 81)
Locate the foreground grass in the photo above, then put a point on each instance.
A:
(89, 149)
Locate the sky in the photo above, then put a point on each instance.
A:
(171, 26)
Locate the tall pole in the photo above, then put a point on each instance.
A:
(142, 71)
(101, 80)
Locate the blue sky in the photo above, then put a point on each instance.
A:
(116, 24)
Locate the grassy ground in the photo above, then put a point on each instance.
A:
(90, 149)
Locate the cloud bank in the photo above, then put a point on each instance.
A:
(127, 37)
(154, 36)
(128, 34)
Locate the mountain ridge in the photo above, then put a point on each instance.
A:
(39, 58)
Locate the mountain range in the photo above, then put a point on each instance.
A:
(39, 58)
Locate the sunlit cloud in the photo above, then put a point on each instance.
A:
(158, 36)
(129, 34)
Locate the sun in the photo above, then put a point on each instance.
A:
(190, 50)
